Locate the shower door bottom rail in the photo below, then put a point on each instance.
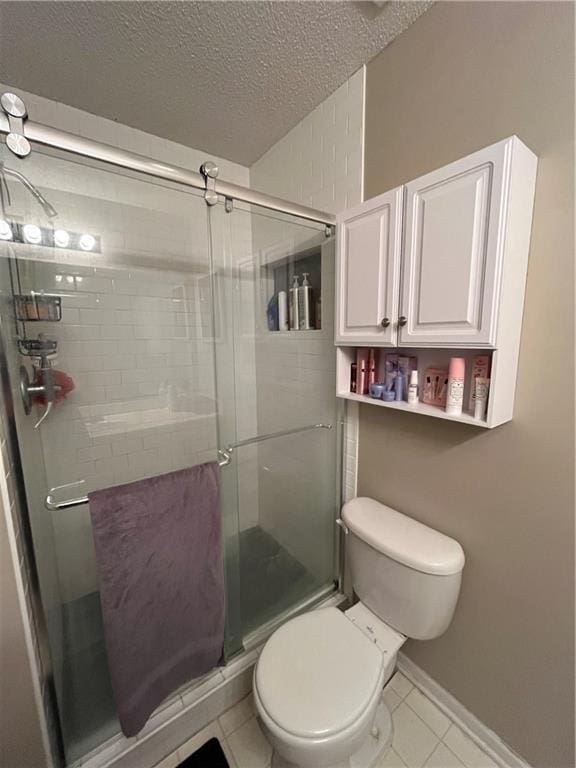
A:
(225, 455)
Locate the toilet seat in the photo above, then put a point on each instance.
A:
(318, 676)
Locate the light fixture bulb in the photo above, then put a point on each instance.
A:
(87, 242)
(62, 238)
(5, 230)
(32, 234)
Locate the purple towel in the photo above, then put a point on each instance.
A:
(159, 551)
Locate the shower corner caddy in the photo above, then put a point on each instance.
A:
(225, 455)
(38, 308)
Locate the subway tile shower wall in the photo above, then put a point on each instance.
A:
(137, 342)
(144, 401)
(318, 163)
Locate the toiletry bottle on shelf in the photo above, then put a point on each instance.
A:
(282, 311)
(353, 378)
(294, 317)
(362, 371)
(305, 304)
(398, 387)
(480, 369)
(372, 364)
(455, 395)
(272, 313)
(413, 388)
(481, 385)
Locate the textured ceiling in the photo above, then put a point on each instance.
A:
(230, 78)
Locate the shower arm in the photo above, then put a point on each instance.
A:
(225, 455)
(49, 210)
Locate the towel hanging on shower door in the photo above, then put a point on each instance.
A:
(159, 553)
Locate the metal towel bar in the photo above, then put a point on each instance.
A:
(225, 455)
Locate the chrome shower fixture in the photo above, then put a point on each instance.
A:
(43, 350)
(49, 209)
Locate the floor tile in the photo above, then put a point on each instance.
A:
(390, 759)
(229, 754)
(211, 731)
(249, 746)
(428, 711)
(442, 757)
(464, 748)
(400, 685)
(412, 740)
(391, 698)
(237, 715)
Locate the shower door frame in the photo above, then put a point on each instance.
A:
(79, 146)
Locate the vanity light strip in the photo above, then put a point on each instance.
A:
(32, 234)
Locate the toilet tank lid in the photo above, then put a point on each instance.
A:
(403, 539)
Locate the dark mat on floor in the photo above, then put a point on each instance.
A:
(210, 755)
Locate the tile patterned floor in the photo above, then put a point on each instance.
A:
(423, 736)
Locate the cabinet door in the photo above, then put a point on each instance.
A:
(368, 271)
(453, 240)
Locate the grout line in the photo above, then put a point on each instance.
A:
(440, 738)
(453, 753)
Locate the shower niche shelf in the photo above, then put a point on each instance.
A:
(278, 275)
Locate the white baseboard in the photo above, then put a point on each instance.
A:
(480, 734)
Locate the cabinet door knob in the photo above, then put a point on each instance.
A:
(385, 322)
(402, 320)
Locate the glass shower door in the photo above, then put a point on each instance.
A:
(281, 379)
(126, 316)
(163, 325)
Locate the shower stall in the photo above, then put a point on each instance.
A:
(140, 335)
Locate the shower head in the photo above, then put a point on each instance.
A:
(49, 209)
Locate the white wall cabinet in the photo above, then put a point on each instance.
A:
(454, 237)
(441, 264)
(368, 276)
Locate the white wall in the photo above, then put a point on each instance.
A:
(320, 163)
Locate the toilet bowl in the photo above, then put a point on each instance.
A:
(318, 681)
(318, 685)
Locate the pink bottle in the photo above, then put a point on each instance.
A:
(362, 371)
(455, 395)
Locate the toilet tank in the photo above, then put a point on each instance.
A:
(405, 572)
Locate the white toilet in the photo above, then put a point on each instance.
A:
(318, 681)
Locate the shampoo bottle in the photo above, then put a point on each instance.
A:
(305, 304)
(282, 311)
(294, 320)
